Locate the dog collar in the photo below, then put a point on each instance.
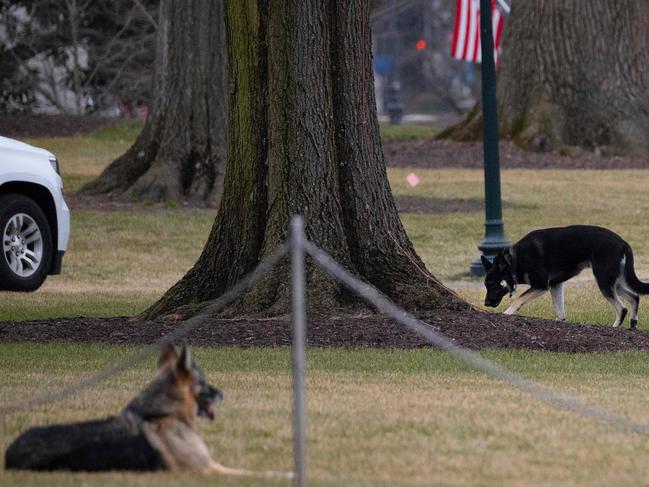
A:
(514, 284)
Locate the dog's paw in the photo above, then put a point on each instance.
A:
(633, 325)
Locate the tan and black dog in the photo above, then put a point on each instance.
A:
(154, 432)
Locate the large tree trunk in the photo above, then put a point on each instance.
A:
(180, 154)
(573, 74)
(303, 139)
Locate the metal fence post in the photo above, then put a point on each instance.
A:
(298, 316)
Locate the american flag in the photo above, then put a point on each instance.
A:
(466, 34)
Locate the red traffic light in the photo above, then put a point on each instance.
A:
(421, 45)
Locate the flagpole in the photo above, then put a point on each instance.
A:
(494, 239)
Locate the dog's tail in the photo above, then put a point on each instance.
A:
(631, 279)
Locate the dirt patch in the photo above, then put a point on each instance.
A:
(436, 154)
(49, 125)
(473, 329)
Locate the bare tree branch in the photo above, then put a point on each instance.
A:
(147, 14)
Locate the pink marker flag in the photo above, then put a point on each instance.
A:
(465, 45)
(412, 179)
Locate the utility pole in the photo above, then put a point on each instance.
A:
(494, 239)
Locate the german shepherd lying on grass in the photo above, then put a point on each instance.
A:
(546, 258)
(154, 432)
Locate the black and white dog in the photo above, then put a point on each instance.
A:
(546, 258)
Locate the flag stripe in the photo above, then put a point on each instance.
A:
(465, 43)
(474, 31)
(459, 33)
(498, 24)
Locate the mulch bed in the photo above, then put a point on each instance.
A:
(76, 201)
(473, 329)
(418, 204)
(437, 154)
(27, 125)
(405, 204)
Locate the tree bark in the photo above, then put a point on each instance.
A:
(573, 74)
(180, 154)
(303, 139)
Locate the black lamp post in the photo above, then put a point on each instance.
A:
(494, 239)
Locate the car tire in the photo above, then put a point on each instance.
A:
(26, 249)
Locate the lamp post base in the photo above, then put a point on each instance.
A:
(493, 243)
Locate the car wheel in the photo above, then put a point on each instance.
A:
(26, 244)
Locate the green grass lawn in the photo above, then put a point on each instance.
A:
(375, 417)
(400, 133)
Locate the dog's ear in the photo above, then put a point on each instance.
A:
(507, 255)
(502, 260)
(167, 354)
(185, 359)
(486, 263)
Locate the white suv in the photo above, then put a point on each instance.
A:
(34, 219)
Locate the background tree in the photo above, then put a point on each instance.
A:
(73, 56)
(181, 151)
(573, 74)
(303, 137)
